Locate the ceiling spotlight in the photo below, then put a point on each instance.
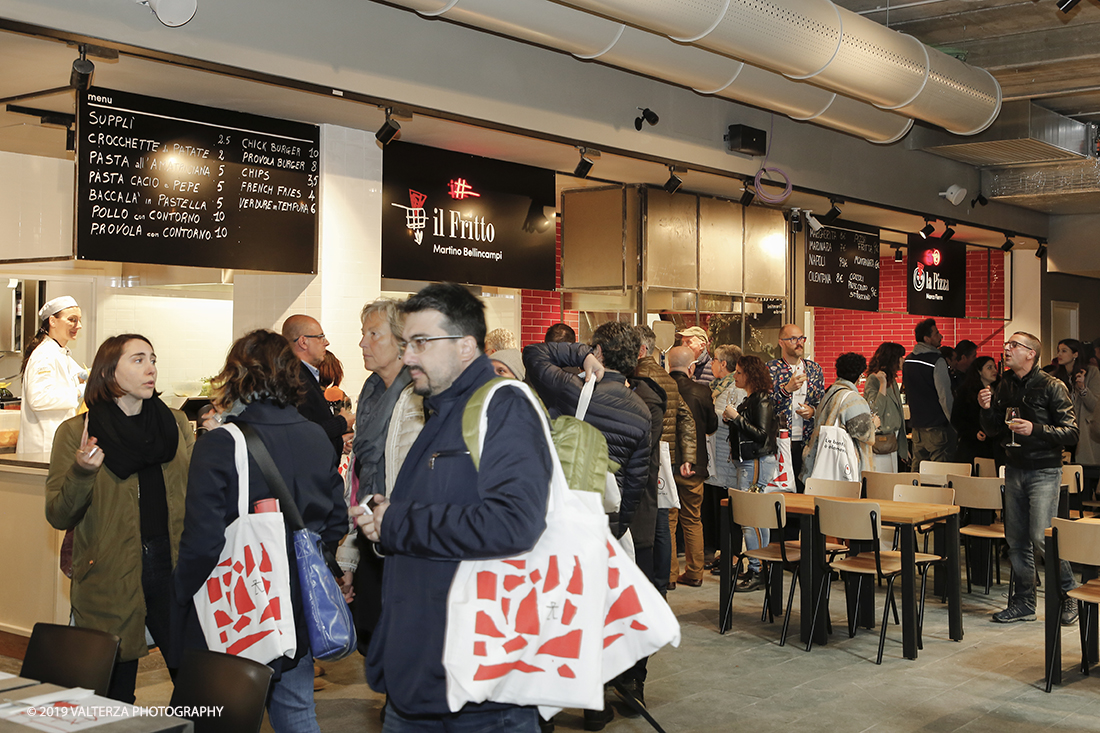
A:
(813, 222)
(948, 232)
(833, 213)
(172, 13)
(584, 167)
(1009, 244)
(898, 256)
(747, 194)
(1041, 249)
(1067, 5)
(796, 221)
(81, 77)
(672, 185)
(388, 130)
(647, 115)
(954, 194)
(926, 232)
(978, 200)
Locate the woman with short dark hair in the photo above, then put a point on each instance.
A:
(118, 477)
(261, 374)
(842, 405)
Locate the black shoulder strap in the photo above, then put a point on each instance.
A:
(271, 474)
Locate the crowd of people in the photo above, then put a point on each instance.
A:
(149, 506)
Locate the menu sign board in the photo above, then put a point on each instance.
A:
(451, 216)
(937, 277)
(170, 183)
(842, 267)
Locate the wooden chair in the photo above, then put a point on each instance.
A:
(751, 509)
(936, 472)
(1078, 542)
(860, 521)
(1074, 477)
(984, 467)
(925, 495)
(70, 656)
(829, 487)
(977, 493)
(879, 486)
(236, 684)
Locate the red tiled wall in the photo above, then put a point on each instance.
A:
(540, 309)
(837, 331)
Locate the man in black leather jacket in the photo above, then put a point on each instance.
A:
(1044, 425)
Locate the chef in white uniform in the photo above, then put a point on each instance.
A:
(53, 382)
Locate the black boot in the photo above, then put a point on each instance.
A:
(597, 719)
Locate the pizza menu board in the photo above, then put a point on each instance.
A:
(165, 182)
(842, 267)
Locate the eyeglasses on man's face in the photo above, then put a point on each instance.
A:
(1018, 345)
(419, 343)
(794, 339)
(314, 336)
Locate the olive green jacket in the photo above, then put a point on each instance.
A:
(103, 509)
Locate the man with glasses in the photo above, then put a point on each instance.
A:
(444, 510)
(797, 387)
(1034, 434)
(927, 384)
(308, 343)
(696, 339)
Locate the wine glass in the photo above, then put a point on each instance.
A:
(1012, 413)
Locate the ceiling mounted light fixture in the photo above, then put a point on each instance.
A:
(898, 256)
(388, 130)
(926, 232)
(747, 194)
(955, 194)
(978, 200)
(584, 166)
(813, 222)
(948, 232)
(1041, 249)
(81, 77)
(672, 185)
(647, 115)
(833, 213)
(1009, 244)
(796, 221)
(172, 13)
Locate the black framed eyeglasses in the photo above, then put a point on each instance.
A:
(794, 339)
(419, 343)
(314, 336)
(1018, 345)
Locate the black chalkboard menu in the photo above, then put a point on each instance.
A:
(842, 264)
(170, 183)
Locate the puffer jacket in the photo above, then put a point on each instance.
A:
(106, 593)
(679, 425)
(753, 432)
(615, 410)
(1042, 399)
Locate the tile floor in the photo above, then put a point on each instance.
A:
(991, 681)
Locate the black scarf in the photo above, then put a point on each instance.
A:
(139, 444)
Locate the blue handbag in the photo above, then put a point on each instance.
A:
(328, 616)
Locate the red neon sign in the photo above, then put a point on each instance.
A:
(459, 188)
(935, 255)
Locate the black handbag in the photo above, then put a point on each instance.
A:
(328, 616)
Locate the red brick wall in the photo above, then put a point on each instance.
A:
(540, 309)
(837, 331)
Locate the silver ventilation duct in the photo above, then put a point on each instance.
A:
(832, 47)
(588, 36)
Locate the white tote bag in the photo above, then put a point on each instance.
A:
(836, 457)
(550, 626)
(667, 495)
(784, 477)
(245, 608)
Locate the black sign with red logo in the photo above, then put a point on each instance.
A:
(462, 218)
(937, 277)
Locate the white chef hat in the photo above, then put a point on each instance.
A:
(55, 306)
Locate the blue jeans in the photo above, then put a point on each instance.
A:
(662, 553)
(291, 709)
(508, 720)
(1031, 501)
(755, 473)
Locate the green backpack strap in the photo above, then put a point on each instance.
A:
(471, 417)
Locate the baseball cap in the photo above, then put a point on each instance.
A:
(694, 331)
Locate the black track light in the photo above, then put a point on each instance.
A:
(672, 185)
(584, 167)
(948, 232)
(796, 221)
(747, 195)
(926, 232)
(81, 77)
(389, 129)
(1041, 249)
(647, 115)
(898, 256)
(978, 200)
(832, 214)
(1009, 244)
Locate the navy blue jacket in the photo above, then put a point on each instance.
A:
(618, 413)
(443, 511)
(303, 455)
(315, 408)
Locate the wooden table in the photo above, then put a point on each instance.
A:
(903, 515)
(1052, 640)
(16, 689)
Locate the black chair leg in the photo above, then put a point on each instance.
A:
(1083, 626)
(766, 611)
(969, 589)
(723, 627)
(886, 616)
(821, 593)
(790, 603)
